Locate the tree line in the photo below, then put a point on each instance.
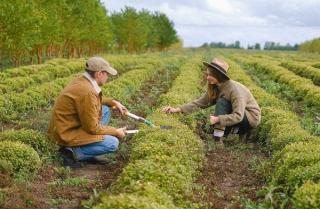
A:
(34, 30)
(268, 45)
(312, 46)
(235, 45)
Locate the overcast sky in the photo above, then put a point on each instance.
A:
(249, 21)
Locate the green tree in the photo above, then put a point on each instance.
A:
(19, 21)
(165, 30)
(129, 30)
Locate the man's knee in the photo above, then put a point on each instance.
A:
(111, 143)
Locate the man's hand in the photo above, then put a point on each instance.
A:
(121, 132)
(169, 109)
(122, 109)
(214, 119)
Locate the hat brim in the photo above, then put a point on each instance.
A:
(216, 69)
(110, 70)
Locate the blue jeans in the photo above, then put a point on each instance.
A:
(107, 145)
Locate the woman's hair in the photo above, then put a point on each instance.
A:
(213, 90)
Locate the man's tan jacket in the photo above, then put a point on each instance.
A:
(76, 115)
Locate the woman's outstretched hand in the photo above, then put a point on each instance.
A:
(168, 109)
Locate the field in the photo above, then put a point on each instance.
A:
(176, 168)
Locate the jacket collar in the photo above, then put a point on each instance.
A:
(93, 82)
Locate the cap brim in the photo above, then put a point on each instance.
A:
(111, 71)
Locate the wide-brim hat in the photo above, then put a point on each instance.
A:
(100, 64)
(218, 66)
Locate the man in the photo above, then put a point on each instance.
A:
(80, 116)
(236, 108)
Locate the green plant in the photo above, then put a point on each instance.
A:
(2, 198)
(25, 160)
(307, 196)
(63, 172)
(6, 167)
(35, 139)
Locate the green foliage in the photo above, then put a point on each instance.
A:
(303, 88)
(37, 29)
(24, 159)
(144, 195)
(312, 46)
(2, 198)
(6, 167)
(304, 71)
(35, 139)
(137, 31)
(307, 196)
(296, 163)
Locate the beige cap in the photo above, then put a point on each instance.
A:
(100, 64)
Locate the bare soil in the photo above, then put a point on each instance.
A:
(42, 193)
(228, 175)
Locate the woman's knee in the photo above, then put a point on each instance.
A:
(223, 107)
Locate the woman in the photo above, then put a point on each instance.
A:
(236, 109)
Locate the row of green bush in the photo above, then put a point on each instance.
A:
(304, 88)
(18, 79)
(164, 163)
(295, 151)
(304, 71)
(14, 104)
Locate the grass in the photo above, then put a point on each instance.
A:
(75, 181)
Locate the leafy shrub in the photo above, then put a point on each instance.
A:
(35, 139)
(307, 196)
(6, 167)
(23, 158)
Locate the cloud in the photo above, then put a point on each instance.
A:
(249, 21)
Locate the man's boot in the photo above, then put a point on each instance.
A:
(67, 156)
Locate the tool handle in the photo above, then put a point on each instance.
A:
(131, 131)
(133, 116)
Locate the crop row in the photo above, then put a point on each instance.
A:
(302, 87)
(164, 163)
(18, 79)
(295, 152)
(13, 105)
(304, 71)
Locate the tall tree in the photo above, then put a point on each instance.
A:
(165, 30)
(18, 27)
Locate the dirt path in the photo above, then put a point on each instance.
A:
(228, 176)
(60, 188)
